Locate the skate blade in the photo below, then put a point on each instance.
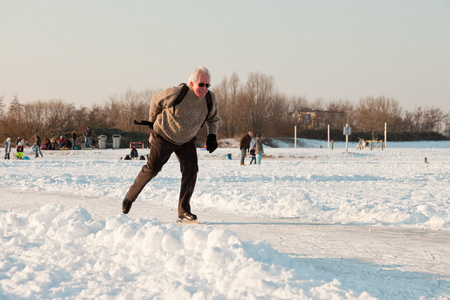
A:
(183, 221)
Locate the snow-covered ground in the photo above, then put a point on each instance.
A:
(309, 223)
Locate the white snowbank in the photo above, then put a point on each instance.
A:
(57, 253)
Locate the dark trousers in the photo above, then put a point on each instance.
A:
(160, 152)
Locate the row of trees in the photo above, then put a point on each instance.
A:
(255, 105)
(53, 117)
(258, 106)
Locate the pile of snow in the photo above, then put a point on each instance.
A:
(57, 253)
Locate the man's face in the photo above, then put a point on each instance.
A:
(203, 79)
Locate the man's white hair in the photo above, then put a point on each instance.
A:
(194, 75)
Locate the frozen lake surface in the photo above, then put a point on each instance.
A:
(309, 223)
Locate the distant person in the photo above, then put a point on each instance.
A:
(46, 144)
(37, 145)
(68, 144)
(53, 144)
(253, 155)
(19, 150)
(7, 148)
(94, 142)
(175, 128)
(62, 142)
(258, 146)
(87, 138)
(74, 139)
(134, 153)
(245, 146)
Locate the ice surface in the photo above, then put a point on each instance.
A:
(309, 223)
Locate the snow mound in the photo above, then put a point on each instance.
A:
(58, 253)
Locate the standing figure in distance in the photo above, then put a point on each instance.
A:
(245, 146)
(74, 139)
(253, 154)
(37, 145)
(175, 126)
(87, 138)
(259, 149)
(7, 148)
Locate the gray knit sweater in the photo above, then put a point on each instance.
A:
(182, 125)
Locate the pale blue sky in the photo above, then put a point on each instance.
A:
(85, 51)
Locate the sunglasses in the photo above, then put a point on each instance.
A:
(201, 84)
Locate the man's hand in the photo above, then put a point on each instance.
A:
(211, 143)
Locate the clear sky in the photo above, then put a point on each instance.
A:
(85, 51)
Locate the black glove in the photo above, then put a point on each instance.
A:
(211, 143)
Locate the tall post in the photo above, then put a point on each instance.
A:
(346, 139)
(328, 127)
(347, 132)
(295, 136)
(385, 134)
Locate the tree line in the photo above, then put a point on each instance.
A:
(254, 105)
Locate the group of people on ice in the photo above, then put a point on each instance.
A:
(256, 151)
(20, 144)
(47, 144)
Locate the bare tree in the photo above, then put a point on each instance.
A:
(223, 102)
(372, 113)
(234, 92)
(446, 121)
(122, 110)
(80, 117)
(338, 113)
(318, 104)
(3, 134)
(97, 117)
(280, 120)
(14, 118)
(227, 94)
(2, 108)
(297, 104)
(258, 98)
(433, 120)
